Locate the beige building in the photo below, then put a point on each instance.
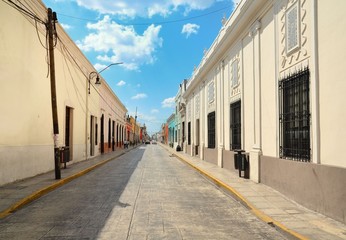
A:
(90, 123)
(272, 84)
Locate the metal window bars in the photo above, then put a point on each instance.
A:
(295, 116)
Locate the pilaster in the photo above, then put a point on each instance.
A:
(256, 151)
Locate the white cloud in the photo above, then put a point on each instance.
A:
(148, 8)
(65, 26)
(99, 66)
(190, 28)
(168, 102)
(154, 110)
(139, 96)
(121, 83)
(117, 43)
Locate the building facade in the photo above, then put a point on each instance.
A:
(171, 130)
(90, 116)
(180, 115)
(271, 84)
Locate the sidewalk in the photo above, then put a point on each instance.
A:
(267, 204)
(292, 219)
(15, 195)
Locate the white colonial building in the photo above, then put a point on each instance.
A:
(273, 84)
(91, 119)
(180, 115)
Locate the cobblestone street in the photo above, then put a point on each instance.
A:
(144, 194)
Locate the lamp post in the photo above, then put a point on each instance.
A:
(91, 76)
(96, 74)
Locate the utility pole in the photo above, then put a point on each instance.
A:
(51, 31)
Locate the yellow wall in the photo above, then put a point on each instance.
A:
(26, 130)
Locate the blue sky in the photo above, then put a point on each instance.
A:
(159, 42)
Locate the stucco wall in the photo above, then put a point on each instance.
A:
(269, 86)
(26, 126)
(332, 75)
(248, 96)
(318, 187)
(210, 155)
(188, 149)
(228, 160)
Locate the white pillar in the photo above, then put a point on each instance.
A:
(220, 113)
(203, 119)
(256, 148)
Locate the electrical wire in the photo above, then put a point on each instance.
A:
(87, 77)
(155, 23)
(79, 95)
(24, 11)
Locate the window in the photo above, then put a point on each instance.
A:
(235, 125)
(189, 133)
(295, 116)
(211, 130)
(183, 131)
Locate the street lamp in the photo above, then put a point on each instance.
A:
(87, 93)
(96, 74)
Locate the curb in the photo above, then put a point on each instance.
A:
(258, 213)
(52, 187)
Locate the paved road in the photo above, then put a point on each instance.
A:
(144, 194)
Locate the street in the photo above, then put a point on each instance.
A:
(144, 194)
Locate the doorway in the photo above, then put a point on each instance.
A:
(68, 133)
(113, 135)
(92, 134)
(102, 134)
(197, 137)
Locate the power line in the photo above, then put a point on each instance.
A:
(26, 12)
(87, 77)
(155, 23)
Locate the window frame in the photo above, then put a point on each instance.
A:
(295, 116)
(235, 125)
(211, 129)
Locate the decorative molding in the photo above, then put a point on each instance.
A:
(256, 26)
(298, 51)
(235, 88)
(197, 103)
(235, 98)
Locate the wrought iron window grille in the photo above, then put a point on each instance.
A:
(211, 130)
(294, 116)
(235, 125)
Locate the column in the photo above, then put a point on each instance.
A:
(220, 113)
(256, 151)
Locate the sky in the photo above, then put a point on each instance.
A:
(159, 43)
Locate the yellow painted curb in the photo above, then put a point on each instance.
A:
(261, 215)
(46, 190)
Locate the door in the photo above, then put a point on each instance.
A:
(102, 134)
(92, 134)
(68, 133)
